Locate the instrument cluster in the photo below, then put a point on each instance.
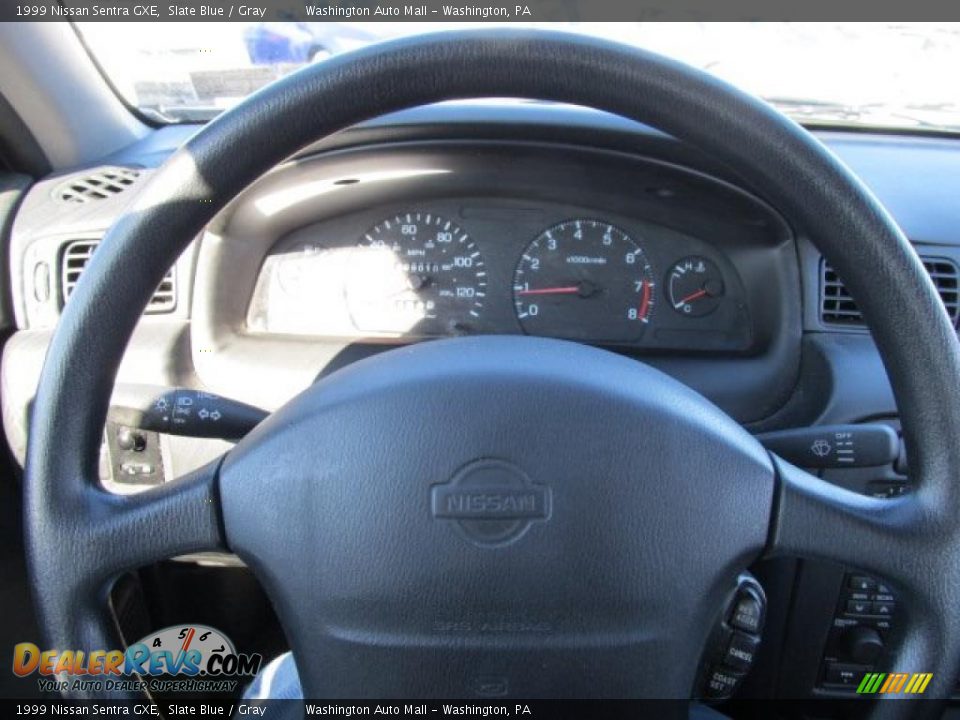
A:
(423, 273)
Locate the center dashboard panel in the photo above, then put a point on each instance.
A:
(335, 256)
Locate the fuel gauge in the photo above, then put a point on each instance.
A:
(695, 286)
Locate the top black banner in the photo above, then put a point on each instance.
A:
(485, 11)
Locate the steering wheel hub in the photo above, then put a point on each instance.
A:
(356, 470)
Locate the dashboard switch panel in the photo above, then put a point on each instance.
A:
(135, 457)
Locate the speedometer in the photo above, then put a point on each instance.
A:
(419, 274)
(584, 280)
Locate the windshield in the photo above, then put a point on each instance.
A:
(894, 75)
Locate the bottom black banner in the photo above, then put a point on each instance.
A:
(493, 708)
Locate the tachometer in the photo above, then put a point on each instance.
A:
(584, 280)
(416, 273)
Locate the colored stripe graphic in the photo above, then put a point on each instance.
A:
(870, 683)
(903, 679)
(918, 683)
(911, 684)
(893, 683)
(891, 680)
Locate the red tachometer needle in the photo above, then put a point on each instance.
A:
(570, 290)
(693, 296)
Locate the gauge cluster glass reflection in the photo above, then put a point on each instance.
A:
(416, 273)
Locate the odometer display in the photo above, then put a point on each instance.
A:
(584, 280)
(418, 274)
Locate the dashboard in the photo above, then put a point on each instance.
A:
(527, 219)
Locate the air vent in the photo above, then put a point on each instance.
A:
(77, 254)
(838, 308)
(99, 185)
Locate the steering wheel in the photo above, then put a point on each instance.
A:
(627, 503)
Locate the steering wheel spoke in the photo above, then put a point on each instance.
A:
(813, 518)
(178, 517)
(901, 540)
(93, 536)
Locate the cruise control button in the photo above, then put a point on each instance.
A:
(721, 683)
(747, 612)
(741, 652)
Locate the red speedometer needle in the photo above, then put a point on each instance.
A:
(569, 290)
(693, 296)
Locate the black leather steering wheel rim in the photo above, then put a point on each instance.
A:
(79, 537)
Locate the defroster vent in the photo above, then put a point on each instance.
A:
(98, 185)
